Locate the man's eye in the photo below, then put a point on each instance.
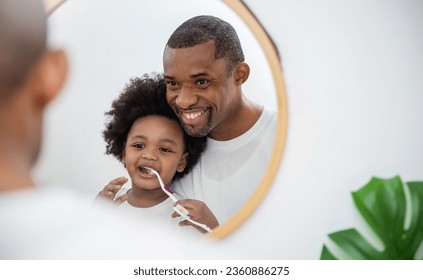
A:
(171, 84)
(201, 82)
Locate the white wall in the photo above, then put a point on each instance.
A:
(354, 74)
(353, 71)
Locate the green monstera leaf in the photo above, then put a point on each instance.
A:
(394, 212)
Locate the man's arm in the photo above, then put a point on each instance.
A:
(109, 192)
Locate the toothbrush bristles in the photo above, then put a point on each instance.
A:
(149, 170)
(162, 185)
(153, 171)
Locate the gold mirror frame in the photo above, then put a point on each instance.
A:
(273, 60)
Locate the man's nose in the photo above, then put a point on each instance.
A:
(186, 98)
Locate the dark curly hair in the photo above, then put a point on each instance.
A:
(202, 29)
(142, 97)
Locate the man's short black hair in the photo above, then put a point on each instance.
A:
(202, 29)
(23, 39)
(142, 97)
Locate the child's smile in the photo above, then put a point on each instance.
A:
(154, 142)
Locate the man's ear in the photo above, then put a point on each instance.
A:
(183, 163)
(242, 72)
(49, 76)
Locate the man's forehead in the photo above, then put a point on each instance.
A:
(205, 50)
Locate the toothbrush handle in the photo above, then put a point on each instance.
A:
(181, 209)
(184, 214)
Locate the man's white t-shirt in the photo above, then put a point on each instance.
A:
(56, 223)
(228, 172)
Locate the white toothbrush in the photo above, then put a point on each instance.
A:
(162, 185)
(178, 208)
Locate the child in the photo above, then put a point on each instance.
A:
(143, 132)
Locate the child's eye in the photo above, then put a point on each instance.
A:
(165, 150)
(138, 146)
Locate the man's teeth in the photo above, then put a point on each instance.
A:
(192, 116)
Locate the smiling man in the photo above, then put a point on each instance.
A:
(204, 70)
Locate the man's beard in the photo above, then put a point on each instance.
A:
(200, 132)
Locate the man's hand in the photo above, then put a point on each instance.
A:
(199, 212)
(109, 192)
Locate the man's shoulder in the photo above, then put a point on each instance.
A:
(270, 114)
(265, 126)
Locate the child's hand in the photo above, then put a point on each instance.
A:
(108, 193)
(199, 212)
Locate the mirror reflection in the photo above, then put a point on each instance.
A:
(109, 42)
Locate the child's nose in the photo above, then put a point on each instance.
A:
(149, 156)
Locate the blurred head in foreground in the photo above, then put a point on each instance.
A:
(39, 222)
(31, 75)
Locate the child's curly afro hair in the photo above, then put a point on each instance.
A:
(142, 97)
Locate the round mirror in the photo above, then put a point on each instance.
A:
(109, 42)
